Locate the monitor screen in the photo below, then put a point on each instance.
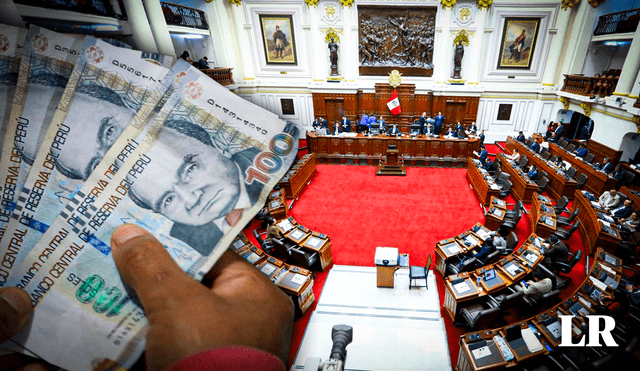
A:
(514, 333)
(489, 274)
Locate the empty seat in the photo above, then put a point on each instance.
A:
(571, 147)
(581, 179)
(481, 315)
(566, 221)
(545, 155)
(542, 184)
(561, 205)
(564, 234)
(506, 189)
(572, 171)
(589, 158)
(512, 242)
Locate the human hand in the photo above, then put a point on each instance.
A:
(15, 313)
(239, 307)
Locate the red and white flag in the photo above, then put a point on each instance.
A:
(394, 103)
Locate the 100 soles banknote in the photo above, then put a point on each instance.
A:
(200, 172)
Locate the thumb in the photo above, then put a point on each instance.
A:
(15, 310)
(146, 266)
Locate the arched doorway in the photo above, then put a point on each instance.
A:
(577, 125)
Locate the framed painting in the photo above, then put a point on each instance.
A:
(518, 43)
(278, 39)
(504, 112)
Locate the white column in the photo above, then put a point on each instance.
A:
(9, 14)
(220, 22)
(575, 49)
(442, 68)
(478, 48)
(244, 28)
(635, 90)
(551, 67)
(317, 47)
(630, 67)
(351, 38)
(159, 27)
(142, 35)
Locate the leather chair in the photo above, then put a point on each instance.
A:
(303, 259)
(564, 234)
(502, 178)
(481, 315)
(467, 266)
(588, 158)
(549, 297)
(497, 173)
(489, 259)
(566, 221)
(508, 298)
(420, 273)
(266, 246)
(557, 282)
(545, 155)
(506, 189)
(280, 249)
(563, 143)
(566, 267)
(512, 242)
(542, 184)
(561, 205)
(512, 222)
(582, 180)
(523, 161)
(529, 142)
(571, 147)
(512, 213)
(572, 172)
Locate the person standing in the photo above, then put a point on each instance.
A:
(517, 46)
(346, 124)
(363, 126)
(280, 40)
(438, 123)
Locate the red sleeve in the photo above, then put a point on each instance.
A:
(614, 307)
(230, 358)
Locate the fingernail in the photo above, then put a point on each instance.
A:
(17, 299)
(125, 233)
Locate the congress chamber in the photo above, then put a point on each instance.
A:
(517, 120)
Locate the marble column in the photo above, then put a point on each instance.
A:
(630, 68)
(159, 27)
(140, 27)
(551, 67)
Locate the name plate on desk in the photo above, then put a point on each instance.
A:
(314, 242)
(297, 235)
(285, 225)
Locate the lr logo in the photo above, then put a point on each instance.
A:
(594, 331)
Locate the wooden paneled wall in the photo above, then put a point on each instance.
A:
(331, 106)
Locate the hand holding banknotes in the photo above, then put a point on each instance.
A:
(239, 306)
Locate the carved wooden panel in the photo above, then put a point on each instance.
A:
(334, 145)
(396, 37)
(349, 145)
(424, 103)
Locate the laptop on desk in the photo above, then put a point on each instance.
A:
(516, 342)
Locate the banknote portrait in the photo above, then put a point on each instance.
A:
(193, 183)
(96, 118)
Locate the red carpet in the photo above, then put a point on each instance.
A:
(361, 211)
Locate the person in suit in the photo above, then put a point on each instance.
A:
(520, 137)
(487, 248)
(630, 224)
(550, 129)
(429, 130)
(473, 128)
(324, 124)
(553, 138)
(488, 164)
(336, 130)
(394, 130)
(193, 183)
(317, 123)
(439, 121)
(481, 136)
(383, 123)
(619, 174)
(483, 153)
(423, 121)
(535, 146)
(556, 252)
(607, 167)
(533, 172)
(609, 200)
(346, 124)
(372, 119)
(431, 121)
(623, 211)
(451, 134)
(363, 126)
(458, 128)
(559, 130)
(581, 151)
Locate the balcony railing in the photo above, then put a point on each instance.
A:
(585, 85)
(618, 22)
(222, 75)
(94, 7)
(180, 15)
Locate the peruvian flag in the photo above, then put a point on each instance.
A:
(394, 103)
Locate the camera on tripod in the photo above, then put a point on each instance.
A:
(341, 336)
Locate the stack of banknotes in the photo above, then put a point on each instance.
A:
(95, 136)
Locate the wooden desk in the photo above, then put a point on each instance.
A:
(542, 217)
(298, 283)
(523, 188)
(495, 214)
(483, 188)
(558, 185)
(599, 150)
(277, 206)
(295, 179)
(449, 248)
(630, 195)
(322, 245)
(369, 149)
(597, 181)
(592, 229)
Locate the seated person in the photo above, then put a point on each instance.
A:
(623, 211)
(630, 224)
(272, 230)
(487, 248)
(337, 130)
(473, 128)
(429, 130)
(316, 123)
(535, 146)
(451, 134)
(536, 288)
(500, 240)
(556, 252)
(559, 164)
(607, 166)
(481, 136)
(488, 164)
(550, 129)
(458, 128)
(581, 151)
(553, 138)
(203, 63)
(514, 156)
(533, 172)
(609, 200)
(543, 145)
(393, 130)
(617, 303)
(521, 138)
(619, 173)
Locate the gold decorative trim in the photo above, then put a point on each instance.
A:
(543, 84)
(395, 78)
(332, 33)
(311, 2)
(447, 3)
(484, 4)
(235, 2)
(473, 83)
(505, 97)
(566, 4)
(565, 102)
(636, 120)
(586, 107)
(283, 91)
(633, 96)
(348, 3)
(249, 78)
(463, 36)
(621, 94)
(329, 78)
(612, 114)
